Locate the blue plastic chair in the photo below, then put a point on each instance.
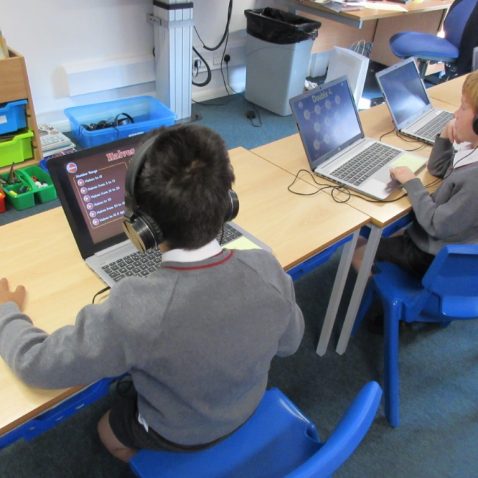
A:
(426, 47)
(448, 291)
(277, 441)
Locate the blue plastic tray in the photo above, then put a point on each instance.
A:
(13, 117)
(148, 113)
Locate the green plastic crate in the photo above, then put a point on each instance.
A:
(16, 149)
(18, 200)
(42, 194)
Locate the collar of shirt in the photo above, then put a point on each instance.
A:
(465, 154)
(193, 255)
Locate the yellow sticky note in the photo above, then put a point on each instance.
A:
(410, 160)
(242, 243)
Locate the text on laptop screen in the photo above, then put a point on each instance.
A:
(327, 120)
(405, 92)
(97, 182)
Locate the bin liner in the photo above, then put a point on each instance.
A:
(277, 26)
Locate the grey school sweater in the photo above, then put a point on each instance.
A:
(197, 338)
(450, 214)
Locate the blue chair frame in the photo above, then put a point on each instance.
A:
(276, 441)
(448, 291)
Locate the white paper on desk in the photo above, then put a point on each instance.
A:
(412, 161)
(391, 7)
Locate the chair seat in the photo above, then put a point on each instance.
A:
(424, 46)
(273, 442)
(276, 441)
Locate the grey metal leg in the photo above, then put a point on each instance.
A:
(360, 284)
(337, 291)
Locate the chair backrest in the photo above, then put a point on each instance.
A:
(456, 20)
(452, 280)
(276, 441)
(346, 437)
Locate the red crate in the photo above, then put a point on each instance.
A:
(2, 201)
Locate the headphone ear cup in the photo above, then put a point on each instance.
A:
(475, 124)
(143, 231)
(233, 206)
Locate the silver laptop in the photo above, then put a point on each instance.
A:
(408, 102)
(335, 144)
(90, 185)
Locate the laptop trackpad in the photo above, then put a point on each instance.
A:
(382, 188)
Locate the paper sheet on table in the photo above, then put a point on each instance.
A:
(392, 7)
(242, 243)
(412, 161)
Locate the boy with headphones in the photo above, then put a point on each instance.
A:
(450, 214)
(197, 336)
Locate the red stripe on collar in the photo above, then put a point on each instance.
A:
(204, 266)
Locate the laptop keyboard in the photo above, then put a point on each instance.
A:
(434, 127)
(365, 164)
(142, 264)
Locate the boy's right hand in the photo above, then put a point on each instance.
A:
(402, 174)
(6, 295)
(448, 131)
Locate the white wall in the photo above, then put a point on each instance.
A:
(63, 39)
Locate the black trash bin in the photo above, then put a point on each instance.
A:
(278, 47)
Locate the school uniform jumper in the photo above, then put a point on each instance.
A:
(197, 339)
(450, 214)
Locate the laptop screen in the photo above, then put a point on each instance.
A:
(327, 120)
(90, 185)
(404, 92)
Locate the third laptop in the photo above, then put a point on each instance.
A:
(335, 145)
(408, 102)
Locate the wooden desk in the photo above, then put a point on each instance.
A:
(448, 92)
(358, 17)
(376, 26)
(288, 153)
(295, 227)
(40, 253)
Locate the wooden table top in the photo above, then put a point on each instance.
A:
(295, 227)
(367, 14)
(448, 92)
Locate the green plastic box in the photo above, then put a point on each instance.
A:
(16, 149)
(18, 200)
(42, 194)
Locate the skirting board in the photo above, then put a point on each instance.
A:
(94, 76)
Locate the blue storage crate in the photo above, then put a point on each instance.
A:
(147, 112)
(13, 117)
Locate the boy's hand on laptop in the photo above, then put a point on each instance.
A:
(448, 131)
(402, 174)
(6, 295)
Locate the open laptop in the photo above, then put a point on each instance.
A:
(90, 184)
(335, 144)
(408, 102)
